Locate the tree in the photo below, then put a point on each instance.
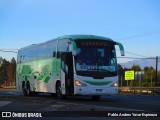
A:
(13, 63)
(149, 76)
(136, 68)
(11, 71)
(148, 79)
(3, 71)
(158, 83)
(120, 70)
(1, 60)
(120, 75)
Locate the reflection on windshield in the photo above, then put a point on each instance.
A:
(95, 59)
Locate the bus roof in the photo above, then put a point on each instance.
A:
(73, 37)
(81, 36)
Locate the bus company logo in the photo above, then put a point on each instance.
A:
(6, 114)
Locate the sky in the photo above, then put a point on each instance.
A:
(134, 23)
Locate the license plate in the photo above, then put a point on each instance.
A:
(98, 90)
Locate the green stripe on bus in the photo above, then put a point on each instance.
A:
(40, 77)
(98, 82)
(47, 79)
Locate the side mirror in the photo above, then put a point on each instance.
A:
(121, 48)
(74, 52)
(54, 54)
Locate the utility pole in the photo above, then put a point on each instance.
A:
(156, 70)
(121, 81)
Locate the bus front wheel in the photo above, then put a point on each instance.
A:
(59, 91)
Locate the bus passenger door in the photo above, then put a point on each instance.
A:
(63, 74)
(67, 73)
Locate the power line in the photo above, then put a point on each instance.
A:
(13, 50)
(151, 58)
(136, 58)
(134, 54)
(140, 35)
(8, 51)
(130, 37)
(137, 36)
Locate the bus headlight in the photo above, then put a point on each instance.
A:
(78, 83)
(115, 84)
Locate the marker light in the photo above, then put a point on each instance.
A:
(78, 83)
(115, 84)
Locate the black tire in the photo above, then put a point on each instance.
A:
(59, 91)
(29, 92)
(26, 89)
(95, 97)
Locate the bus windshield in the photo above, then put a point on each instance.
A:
(96, 59)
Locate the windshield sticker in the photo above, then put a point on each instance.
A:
(86, 67)
(109, 68)
(93, 67)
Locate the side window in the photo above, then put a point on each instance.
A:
(24, 56)
(63, 45)
(28, 55)
(51, 49)
(19, 57)
(41, 51)
(33, 54)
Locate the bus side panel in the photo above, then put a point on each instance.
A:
(42, 74)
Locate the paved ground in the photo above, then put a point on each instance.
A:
(13, 101)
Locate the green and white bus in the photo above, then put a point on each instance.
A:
(69, 65)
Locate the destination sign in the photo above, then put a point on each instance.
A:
(97, 43)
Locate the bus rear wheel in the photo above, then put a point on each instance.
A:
(95, 97)
(26, 88)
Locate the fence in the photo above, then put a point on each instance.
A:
(134, 90)
(7, 84)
